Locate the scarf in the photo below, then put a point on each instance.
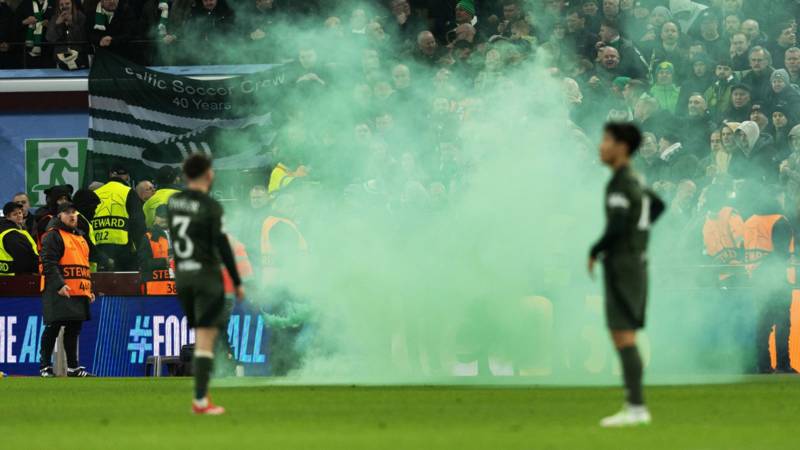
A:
(33, 38)
(163, 7)
(102, 18)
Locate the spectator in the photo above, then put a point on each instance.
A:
(758, 77)
(668, 49)
(428, 51)
(792, 64)
(698, 126)
(18, 252)
(718, 95)
(655, 23)
(740, 104)
(740, 51)
(731, 24)
(578, 37)
(790, 170)
(752, 30)
(54, 196)
(209, 23)
(783, 93)
(710, 37)
(33, 18)
(786, 39)
(632, 63)
(758, 116)
(145, 189)
(664, 89)
(404, 25)
(753, 158)
(86, 203)
(698, 81)
(112, 26)
(782, 122)
(30, 221)
(69, 27)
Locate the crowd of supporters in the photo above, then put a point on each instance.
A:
(712, 84)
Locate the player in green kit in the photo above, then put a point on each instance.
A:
(630, 210)
(200, 248)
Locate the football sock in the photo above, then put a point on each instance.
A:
(632, 374)
(203, 365)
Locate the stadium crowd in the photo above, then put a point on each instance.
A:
(712, 85)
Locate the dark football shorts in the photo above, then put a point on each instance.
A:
(202, 296)
(625, 291)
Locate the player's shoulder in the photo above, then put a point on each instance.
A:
(185, 202)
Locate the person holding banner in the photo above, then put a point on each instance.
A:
(66, 290)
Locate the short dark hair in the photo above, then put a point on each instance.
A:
(196, 165)
(626, 133)
(10, 207)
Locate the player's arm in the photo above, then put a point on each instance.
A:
(619, 206)
(657, 206)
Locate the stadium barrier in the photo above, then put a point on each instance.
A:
(127, 328)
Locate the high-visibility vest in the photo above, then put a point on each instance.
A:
(281, 176)
(723, 236)
(159, 198)
(91, 228)
(243, 265)
(7, 259)
(758, 242)
(159, 281)
(74, 265)
(111, 217)
(267, 250)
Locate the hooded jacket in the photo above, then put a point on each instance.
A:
(757, 163)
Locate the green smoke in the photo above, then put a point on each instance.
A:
(434, 255)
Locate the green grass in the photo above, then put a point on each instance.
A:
(112, 414)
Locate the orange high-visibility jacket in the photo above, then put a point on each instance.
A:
(74, 265)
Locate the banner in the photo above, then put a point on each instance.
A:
(148, 119)
(123, 333)
(52, 162)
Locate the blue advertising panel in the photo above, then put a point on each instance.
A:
(123, 332)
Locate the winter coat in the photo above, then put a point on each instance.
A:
(760, 84)
(759, 164)
(718, 97)
(55, 307)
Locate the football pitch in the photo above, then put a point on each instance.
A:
(758, 413)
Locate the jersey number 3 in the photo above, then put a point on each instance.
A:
(183, 245)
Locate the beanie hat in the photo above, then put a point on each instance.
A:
(795, 132)
(780, 74)
(467, 5)
(666, 65)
